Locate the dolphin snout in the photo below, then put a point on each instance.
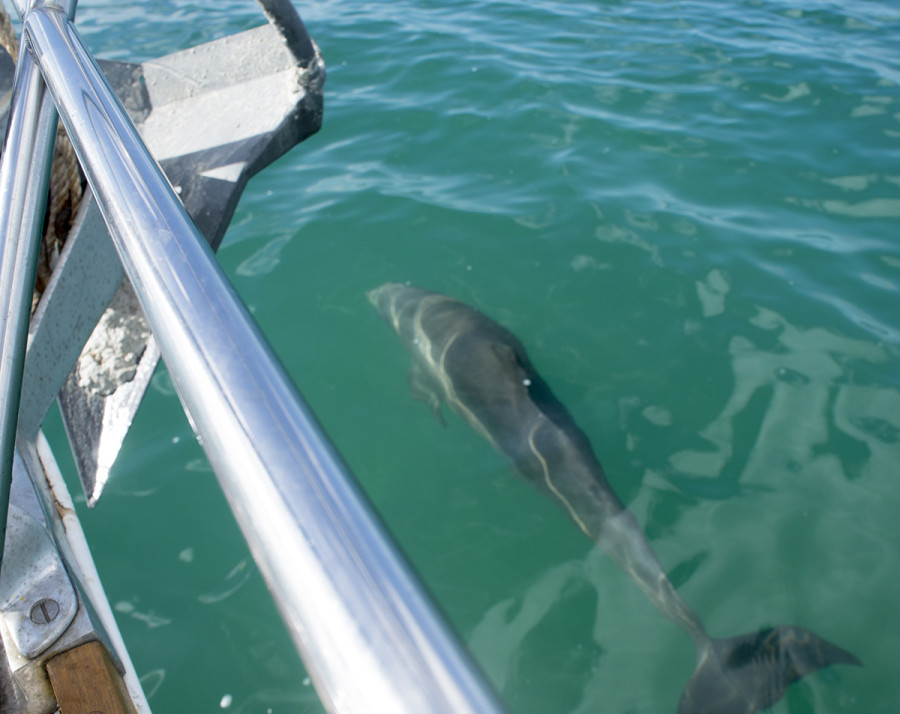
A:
(377, 295)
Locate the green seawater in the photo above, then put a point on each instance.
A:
(687, 212)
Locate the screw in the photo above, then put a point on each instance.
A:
(44, 611)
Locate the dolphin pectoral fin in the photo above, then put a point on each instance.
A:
(748, 673)
(438, 414)
(422, 389)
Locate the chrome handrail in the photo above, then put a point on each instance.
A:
(369, 635)
(24, 180)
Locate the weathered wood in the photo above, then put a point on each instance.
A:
(85, 681)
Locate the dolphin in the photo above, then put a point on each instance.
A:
(481, 370)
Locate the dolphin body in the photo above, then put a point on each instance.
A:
(482, 372)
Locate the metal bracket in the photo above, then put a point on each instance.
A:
(37, 599)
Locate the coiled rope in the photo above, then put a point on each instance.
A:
(66, 184)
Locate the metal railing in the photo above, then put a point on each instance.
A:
(24, 179)
(367, 632)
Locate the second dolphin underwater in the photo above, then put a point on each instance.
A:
(481, 370)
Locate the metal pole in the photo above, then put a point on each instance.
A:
(283, 15)
(370, 637)
(22, 6)
(24, 179)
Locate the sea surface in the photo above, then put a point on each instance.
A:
(688, 213)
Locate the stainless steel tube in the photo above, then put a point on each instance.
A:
(22, 6)
(283, 15)
(24, 178)
(370, 637)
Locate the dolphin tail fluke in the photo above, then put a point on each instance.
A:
(747, 673)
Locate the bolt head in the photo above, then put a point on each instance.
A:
(44, 611)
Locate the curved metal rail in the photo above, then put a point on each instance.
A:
(369, 635)
(24, 178)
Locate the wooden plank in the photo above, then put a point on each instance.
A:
(85, 681)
